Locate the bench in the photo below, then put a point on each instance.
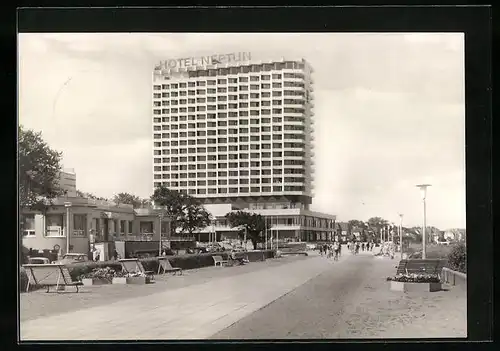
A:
(164, 264)
(219, 260)
(429, 266)
(49, 275)
(133, 265)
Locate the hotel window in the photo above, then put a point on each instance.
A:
(266, 94)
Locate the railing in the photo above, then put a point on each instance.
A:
(452, 277)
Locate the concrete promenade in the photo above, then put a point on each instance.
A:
(193, 312)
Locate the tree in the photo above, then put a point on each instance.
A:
(145, 203)
(184, 211)
(91, 196)
(195, 216)
(356, 224)
(39, 169)
(254, 225)
(377, 224)
(126, 198)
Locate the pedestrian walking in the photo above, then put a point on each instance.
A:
(325, 250)
(357, 248)
(336, 251)
(321, 250)
(340, 249)
(97, 255)
(330, 251)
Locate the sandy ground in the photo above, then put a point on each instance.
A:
(353, 300)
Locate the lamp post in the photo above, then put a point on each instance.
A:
(423, 193)
(68, 231)
(265, 232)
(245, 238)
(401, 234)
(161, 225)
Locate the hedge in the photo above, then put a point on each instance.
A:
(23, 279)
(188, 261)
(457, 258)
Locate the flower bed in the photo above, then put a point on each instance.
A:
(415, 282)
(98, 275)
(415, 278)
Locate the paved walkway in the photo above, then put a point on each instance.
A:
(192, 312)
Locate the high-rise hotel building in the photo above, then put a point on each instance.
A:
(231, 130)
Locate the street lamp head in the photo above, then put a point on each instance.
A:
(423, 189)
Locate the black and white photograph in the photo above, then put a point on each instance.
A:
(242, 186)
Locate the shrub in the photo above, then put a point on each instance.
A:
(23, 279)
(80, 269)
(189, 261)
(457, 258)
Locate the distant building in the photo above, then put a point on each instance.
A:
(454, 234)
(343, 231)
(67, 182)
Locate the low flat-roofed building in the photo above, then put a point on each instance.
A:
(91, 222)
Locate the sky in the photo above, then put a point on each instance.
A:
(389, 112)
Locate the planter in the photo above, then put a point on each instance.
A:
(415, 287)
(138, 280)
(95, 281)
(121, 280)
